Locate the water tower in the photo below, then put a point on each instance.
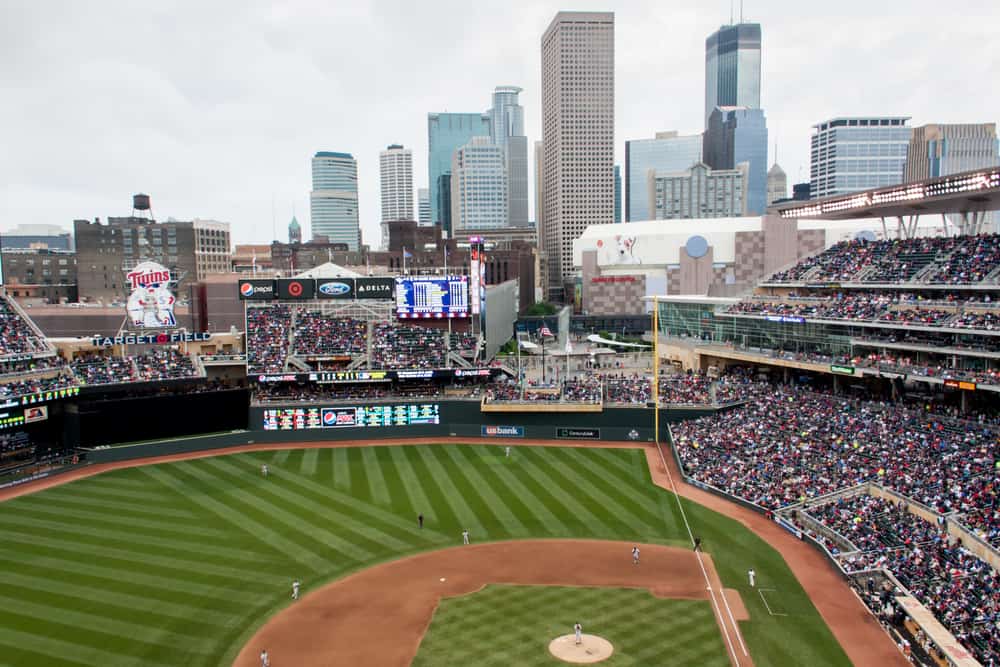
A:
(141, 206)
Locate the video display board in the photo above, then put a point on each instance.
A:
(303, 418)
(432, 297)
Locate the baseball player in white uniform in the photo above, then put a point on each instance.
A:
(263, 470)
(507, 451)
(578, 631)
(295, 589)
(752, 576)
(264, 660)
(465, 536)
(635, 555)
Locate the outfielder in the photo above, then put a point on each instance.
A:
(263, 470)
(507, 451)
(295, 589)
(465, 536)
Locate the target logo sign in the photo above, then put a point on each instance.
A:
(295, 288)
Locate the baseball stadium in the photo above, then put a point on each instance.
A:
(406, 468)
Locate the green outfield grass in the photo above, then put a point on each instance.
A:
(177, 564)
(512, 625)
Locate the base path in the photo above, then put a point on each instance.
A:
(379, 615)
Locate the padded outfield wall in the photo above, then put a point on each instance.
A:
(456, 419)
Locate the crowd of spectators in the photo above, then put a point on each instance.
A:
(317, 334)
(795, 445)
(463, 342)
(96, 369)
(16, 335)
(854, 306)
(163, 364)
(948, 260)
(959, 588)
(33, 384)
(634, 388)
(267, 338)
(582, 389)
(30, 365)
(397, 345)
(977, 320)
(791, 445)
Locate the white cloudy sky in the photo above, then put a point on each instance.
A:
(215, 108)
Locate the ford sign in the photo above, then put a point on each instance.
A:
(334, 289)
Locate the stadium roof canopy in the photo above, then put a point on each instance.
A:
(970, 194)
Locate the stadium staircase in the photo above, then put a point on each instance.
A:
(16, 307)
(458, 360)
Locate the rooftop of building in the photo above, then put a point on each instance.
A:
(343, 156)
(862, 121)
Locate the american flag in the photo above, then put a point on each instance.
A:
(544, 331)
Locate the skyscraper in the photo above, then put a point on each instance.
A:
(478, 186)
(507, 131)
(736, 135)
(578, 128)
(540, 193)
(941, 150)
(668, 152)
(777, 184)
(334, 198)
(446, 133)
(699, 192)
(732, 68)
(294, 231)
(851, 154)
(618, 193)
(395, 165)
(424, 206)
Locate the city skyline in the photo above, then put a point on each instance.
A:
(212, 140)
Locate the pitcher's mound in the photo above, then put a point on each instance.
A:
(591, 649)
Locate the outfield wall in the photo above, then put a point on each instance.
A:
(457, 419)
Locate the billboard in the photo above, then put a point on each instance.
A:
(256, 290)
(432, 297)
(38, 413)
(150, 304)
(374, 288)
(303, 418)
(335, 288)
(296, 288)
(502, 431)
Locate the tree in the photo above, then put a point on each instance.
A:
(541, 308)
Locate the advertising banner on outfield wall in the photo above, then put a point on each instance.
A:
(501, 431)
(579, 433)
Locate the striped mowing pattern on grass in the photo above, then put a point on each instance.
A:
(513, 625)
(173, 564)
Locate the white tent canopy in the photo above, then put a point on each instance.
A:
(329, 270)
(594, 338)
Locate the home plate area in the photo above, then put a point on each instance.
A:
(590, 649)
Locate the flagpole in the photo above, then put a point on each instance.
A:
(542, 340)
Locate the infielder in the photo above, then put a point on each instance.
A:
(264, 660)
(635, 555)
(753, 577)
(578, 631)
(465, 536)
(263, 470)
(295, 589)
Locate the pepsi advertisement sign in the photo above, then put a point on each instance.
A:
(337, 288)
(256, 290)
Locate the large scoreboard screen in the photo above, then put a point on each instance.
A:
(298, 419)
(432, 297)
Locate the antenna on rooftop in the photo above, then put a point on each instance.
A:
(731, 19)
(741, 11)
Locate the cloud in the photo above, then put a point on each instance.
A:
(215, 109)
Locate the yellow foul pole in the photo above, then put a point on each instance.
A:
(656, 371)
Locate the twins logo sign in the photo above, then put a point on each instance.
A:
(151, 303)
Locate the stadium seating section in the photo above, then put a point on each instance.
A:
(958, 260)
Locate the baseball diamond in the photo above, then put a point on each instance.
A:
(180, 561)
